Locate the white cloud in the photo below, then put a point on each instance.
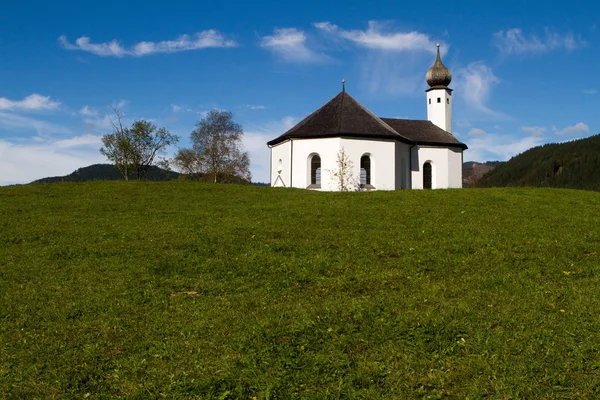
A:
(101, 123)
(79, 141)
(88, 111)
(474, 84)
(589, 91)
(578, 128)
(255, 107)
(199, 40)
(477, 132)
(395, 61)
(19, 122)
(29, 103)
(290, 45)
(23, 163)
(514, 41)
(119, 104)
(376, 38)
(492, 147)
(534, 130)
(175, 108)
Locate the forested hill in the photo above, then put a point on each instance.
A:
(574, 165)
(108, 172)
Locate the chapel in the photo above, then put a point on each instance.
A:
(383, 153)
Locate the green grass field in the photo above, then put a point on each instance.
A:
(187, 290)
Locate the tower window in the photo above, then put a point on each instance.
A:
(439, 99)
(429, 101)
(447, 101)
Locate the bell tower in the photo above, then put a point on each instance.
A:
(439, 95)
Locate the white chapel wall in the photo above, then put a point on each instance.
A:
(455, 161)
(280, 160)
(446, 167)
(382, 154)
(438, 158)
(327, 149)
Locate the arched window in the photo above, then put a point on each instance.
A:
(315, 170)
(427, 175)
(365, 170)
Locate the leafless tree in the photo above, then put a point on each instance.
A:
(343, 174)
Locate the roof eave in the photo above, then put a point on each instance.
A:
(342, 135)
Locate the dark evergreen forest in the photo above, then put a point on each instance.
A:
(574, 165)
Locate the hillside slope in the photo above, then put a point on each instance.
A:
(574, 165)
(108, 172)
(191, 290)
(473, 171)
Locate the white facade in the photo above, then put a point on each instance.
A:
(446, 167)
(291, 162)
(393, 165)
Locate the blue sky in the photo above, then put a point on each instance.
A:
(523, 74)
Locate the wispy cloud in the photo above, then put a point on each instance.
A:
(23, 123)
(534, 130)
(589, 91)
(88, 140)
(23, 163)
(474, 84)
(88, 111)
(514, 41)
(477, 132)
(29, 103)
(291, 45)
(578, 128)
(379, 37)
(197, 41)
(393, 62)
(255, 107)
(500, 147)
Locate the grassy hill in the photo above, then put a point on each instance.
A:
(574, 165)
(192, 290)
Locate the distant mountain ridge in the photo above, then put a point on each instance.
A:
(108, 172)
(574, 165)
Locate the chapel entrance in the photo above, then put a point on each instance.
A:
(427, 176)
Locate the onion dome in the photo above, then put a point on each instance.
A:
(438, 75)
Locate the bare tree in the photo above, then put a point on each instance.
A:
(117, 146)
(136, 149)
(343, 174)
(217, 151)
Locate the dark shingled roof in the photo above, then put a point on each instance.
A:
(344, 116)
(423, 132)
